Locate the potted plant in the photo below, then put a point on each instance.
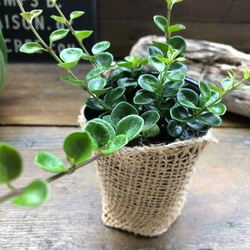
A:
(148, 128)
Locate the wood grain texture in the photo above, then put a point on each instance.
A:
(215, 216)
(123, 23)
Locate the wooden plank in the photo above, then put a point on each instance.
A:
(215, 215)
(34, 94)
(190, 11)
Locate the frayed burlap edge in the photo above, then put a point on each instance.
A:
(144, 188)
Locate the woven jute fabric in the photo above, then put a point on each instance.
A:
(144, 188)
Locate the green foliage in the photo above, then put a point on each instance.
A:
(49, 162)
(36, 193)
(10, 163)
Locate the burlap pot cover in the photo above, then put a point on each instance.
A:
(144, 188)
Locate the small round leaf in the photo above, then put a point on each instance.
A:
(30, 48)
(100, 47)
(115, 144)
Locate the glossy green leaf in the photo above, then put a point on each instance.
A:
(154, 51)
(95, 73)
(99, 133)
(214, 97)
(104, 59)
(115, 144)
(246, 74)
(76, 14)
(161, 22)
(231, 74)
(3, 48)
(205, 90)
(177, 66)
(130, 125)
(178, 43)
(36, 193)
(83, 34)
(72, 81)
(58, 19)
(227, 83)
(162, 46)
(114, 95)
(10, 163)
(176, 76)
(123, 109)
(145, 82)
(97, 83)
(157, 64)
(176, 27)
(49, 162)
(36, 13)
(215, 88)
(126, 82)
(218, 109)
(68, 65)
(174, 129)
(71, 55)
(58, 35)
(30, 48)
(100, 47)
(93, 104)
(108, 126)
(153, 131)
(181, 114)
(26, 15)
(209, 118)
(188, 96)
(198, 125)
(150, 117)
(144, 97)
(78, 146)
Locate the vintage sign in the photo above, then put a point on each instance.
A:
(16, 30)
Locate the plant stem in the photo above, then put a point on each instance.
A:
(18, 191)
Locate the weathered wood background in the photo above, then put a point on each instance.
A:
(223, 21)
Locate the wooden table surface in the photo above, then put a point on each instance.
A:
(37, 111)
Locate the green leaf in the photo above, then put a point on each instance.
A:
(36, 193)
(99, 133)
(82, 34)
(145, 82)
(227, 83)
(97, 84)
(71, 55)
(215, 88)
(115, 144)
(161, 22)
(162, 46)
(35, 13)
(209, 118)
(30, 48)
(150, 117)
(100, 47)
(114, 95)
(49, 162)
(76, 14)
(58, 19)
(68, 65)
(3, 48)
(144, 97)
(231, 74)
(176, 27)
(10, 163)
(153, 131)
(154, 51)
(78, 146)
(93, 104)
(205, 90)
(26, 15)
(187, 95)
(214, 97)
(244, 87)
(198, 126)
(58, 35)
(104, 59)
(247, 74)
(174, 129)
(95, 73)
(218, 109)
(122, 110)
(130, 125)
(72, 81)
(178, 43)
(158, 65)
(181, 114)
(176, 76)
(177, 66)
(108, 126)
